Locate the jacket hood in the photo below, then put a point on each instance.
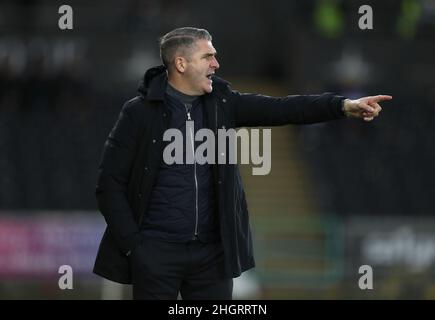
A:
(150, 74)
(153, 83)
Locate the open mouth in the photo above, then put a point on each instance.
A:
(209, 76)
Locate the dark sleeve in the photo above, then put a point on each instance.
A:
(113, 175)
(259, 110)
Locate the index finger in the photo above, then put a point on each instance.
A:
(382, 98)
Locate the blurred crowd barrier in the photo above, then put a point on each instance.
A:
(36, 245)
(298, 257)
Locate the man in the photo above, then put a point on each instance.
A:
(184, 228)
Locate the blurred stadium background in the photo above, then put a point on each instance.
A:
(340, 195)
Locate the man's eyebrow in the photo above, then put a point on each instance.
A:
(209, 54)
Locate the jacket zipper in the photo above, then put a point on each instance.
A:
(216, 119)
(216, 135)
(194, 174)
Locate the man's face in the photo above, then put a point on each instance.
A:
(200, 66)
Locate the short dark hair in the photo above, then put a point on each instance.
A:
(180, 39)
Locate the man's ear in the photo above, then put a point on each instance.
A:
(180, 64)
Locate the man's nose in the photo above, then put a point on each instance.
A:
(215, 64)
